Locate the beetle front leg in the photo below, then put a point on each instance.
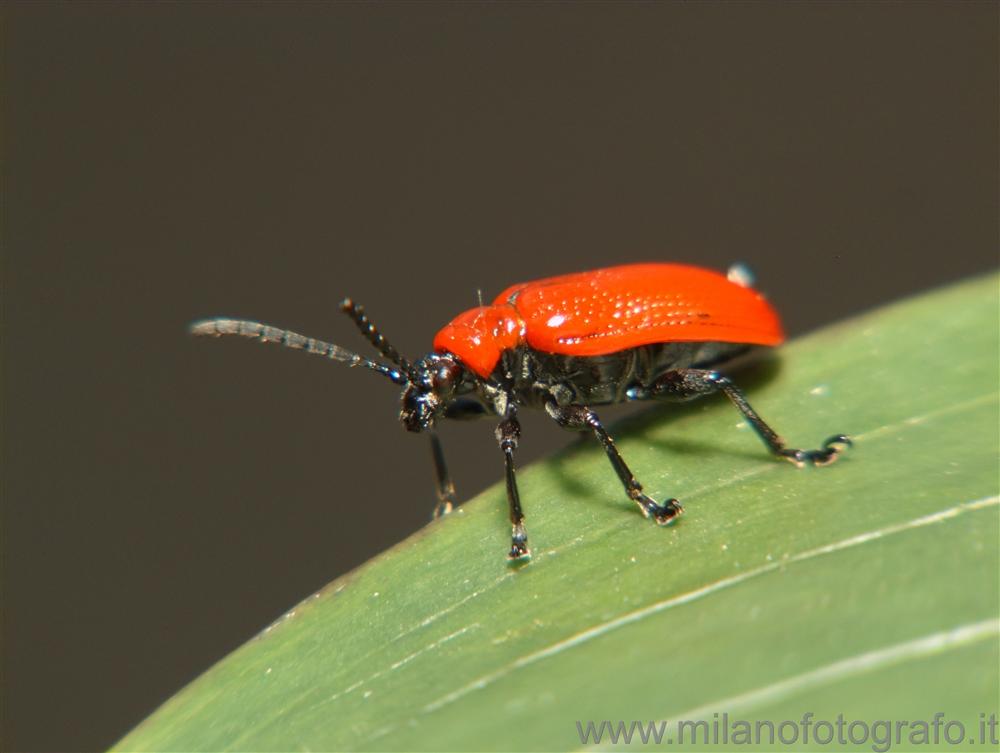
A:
(687, 384)
(582, 418)
(508, 432)
(445, 486)
(462, 410)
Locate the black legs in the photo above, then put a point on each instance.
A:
(687, 384)
(581, 418)
(681, 384)
(507, 435)
(445, 486)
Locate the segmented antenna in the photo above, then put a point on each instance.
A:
(265, 333)
(357, 314)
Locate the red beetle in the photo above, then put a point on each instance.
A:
(566, 344)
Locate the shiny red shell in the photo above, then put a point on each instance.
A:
(609, 310)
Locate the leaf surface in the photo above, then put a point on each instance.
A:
(868, 588)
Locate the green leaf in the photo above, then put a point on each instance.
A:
(868, 588)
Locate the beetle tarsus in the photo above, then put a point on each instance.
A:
(830, 451)
(662, 514)
(838, 439)
(519, 551)
(668, 512)
(686, 384)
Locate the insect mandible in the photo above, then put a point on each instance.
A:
(565, 345)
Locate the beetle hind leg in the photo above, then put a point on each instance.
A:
(582, 418)
(688, 384)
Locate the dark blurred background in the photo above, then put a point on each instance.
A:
(164, 497)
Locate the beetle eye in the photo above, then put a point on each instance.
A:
(442, 378)
(445, 376)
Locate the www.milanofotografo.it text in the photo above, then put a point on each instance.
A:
(880, 734)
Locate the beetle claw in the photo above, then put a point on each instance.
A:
(444, 507)
(830, 451)
(836, 439)
(519, 552)
(668, 512)
(662, 514)
(832, 448)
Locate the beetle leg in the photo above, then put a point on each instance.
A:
(687, 384)
(462, 410)
(582, 418)
(507, 435)
(445, 486)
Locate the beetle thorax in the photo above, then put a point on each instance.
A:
(479, 336)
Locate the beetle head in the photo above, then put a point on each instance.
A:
(433, 382)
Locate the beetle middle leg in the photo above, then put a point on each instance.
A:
(688, 384)
(582, 418)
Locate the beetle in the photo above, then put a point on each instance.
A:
(565, 345)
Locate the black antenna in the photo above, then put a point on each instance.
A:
(265, 333)
(357, 314)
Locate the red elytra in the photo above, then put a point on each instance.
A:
(609, 310)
